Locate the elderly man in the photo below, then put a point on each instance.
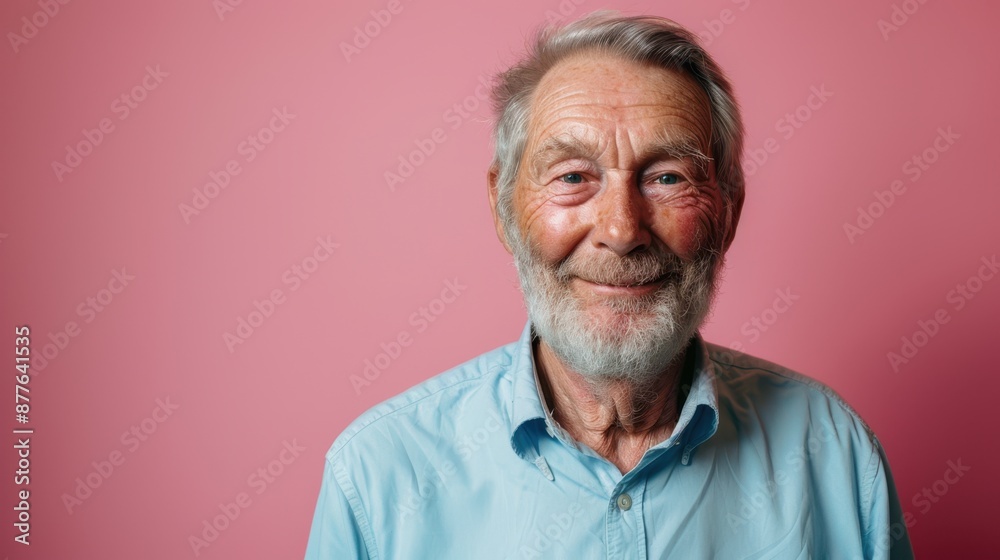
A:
(610, 429)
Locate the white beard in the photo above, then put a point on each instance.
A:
(633, 338)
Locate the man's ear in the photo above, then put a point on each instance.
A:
(491, 187)
(733, 211)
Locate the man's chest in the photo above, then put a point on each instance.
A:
(718, 506)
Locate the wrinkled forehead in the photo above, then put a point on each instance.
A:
(587, 91)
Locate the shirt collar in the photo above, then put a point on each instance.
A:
(698, 420)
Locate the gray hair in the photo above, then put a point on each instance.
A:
(641, 39)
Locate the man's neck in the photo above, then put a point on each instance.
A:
(619, 420)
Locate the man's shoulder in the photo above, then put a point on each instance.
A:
(765, 386)
(431, 405)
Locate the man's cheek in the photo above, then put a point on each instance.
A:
(689, 230)
(555, 232)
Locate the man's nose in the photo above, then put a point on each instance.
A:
(621, 216)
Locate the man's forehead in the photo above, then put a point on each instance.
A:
(578, 96)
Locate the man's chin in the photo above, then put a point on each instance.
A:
(618, 317)
(633, 349)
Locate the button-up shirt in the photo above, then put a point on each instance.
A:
(762, 463)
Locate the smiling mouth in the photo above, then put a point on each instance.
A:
(626, 288)
(628, 284)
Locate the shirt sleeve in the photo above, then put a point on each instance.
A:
(886, 537)
(340, 529)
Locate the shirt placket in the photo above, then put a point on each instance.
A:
(625, 528)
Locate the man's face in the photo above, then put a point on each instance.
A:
(617, 222)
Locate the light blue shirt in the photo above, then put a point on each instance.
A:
(763, 463)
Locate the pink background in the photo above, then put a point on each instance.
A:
(323, 174)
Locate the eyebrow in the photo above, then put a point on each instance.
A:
(663, 146)
(684, 148)
(561, 147)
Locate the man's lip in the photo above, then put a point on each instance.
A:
(640, 289)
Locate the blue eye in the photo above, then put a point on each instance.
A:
(668, 179)
(572, 178)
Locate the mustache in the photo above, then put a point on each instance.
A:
(634, 269)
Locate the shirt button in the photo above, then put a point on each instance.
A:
(624, 502)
